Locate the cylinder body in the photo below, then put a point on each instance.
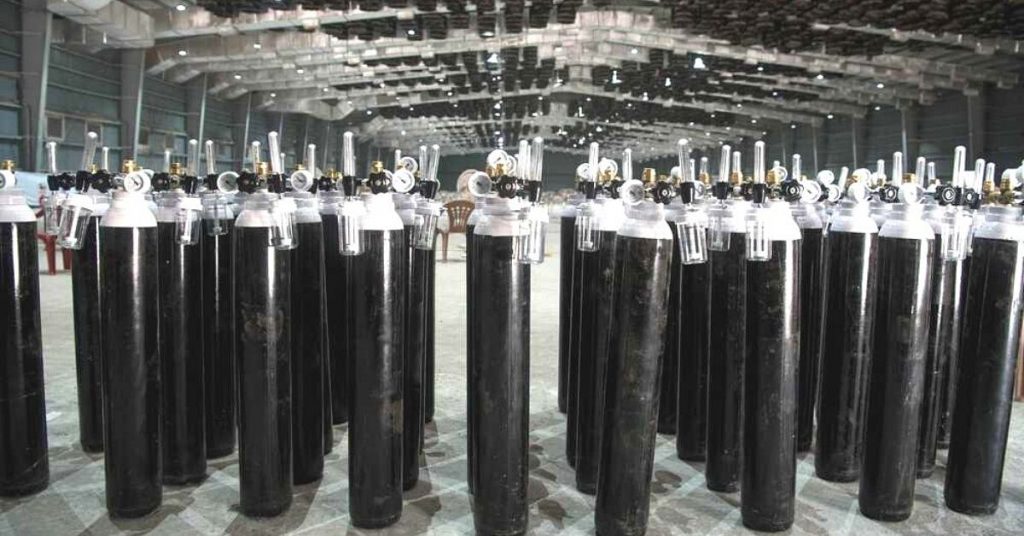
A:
(24, 463)
(183, 424)
(587, 264)
(897, 373)
(637, 340)
(991, 337)
(575, 325)
(500, 395)
(471, 360)
(429, 260)
(810, 334)
(852, 281)
(307, 350)
(768, 483)
(129, 319)
(727, 340)
(566, 247)
(943, 343)
(413, 395)
(219, 338)
(336, 268)
(691, 374)
(85, 289)
(263, 315)
(675, 408)
(376, 309)
(598, 269)
(947, 394)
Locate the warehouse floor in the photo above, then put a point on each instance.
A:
(74, 502)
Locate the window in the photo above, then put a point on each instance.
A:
(144, 137)
(224, 150)
(55, 127)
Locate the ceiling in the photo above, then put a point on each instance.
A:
(625, 73)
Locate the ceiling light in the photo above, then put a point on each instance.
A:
(712, 115)
(588, 99)
(411, 32)
(326, 89)
(257, 46)
(300, 70)
(760, 68)
(238, 77)
(728, 128)
(488, 33)
(880, 85)
(403, 133)
(792, 126)
(707, 134)
(369, 112)
(493, 58)
(634, 51)
(698, 63)
(753, 121)
(599, 129)
(878, 108)
(181, 7)
(668, 82)
(273, 95)
(183, 53)
(820, 76)
(830, 116)
(775, 93)
(739, 104)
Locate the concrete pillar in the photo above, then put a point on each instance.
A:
(976, 125)
(241, 115)
(36, 36)
(133, 74)
(858, 130)
(910, 131)
(195, 121)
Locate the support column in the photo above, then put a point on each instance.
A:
(976, 125)
(36, 36)
(858, 130)
(241, 116)
(814, 151)
(909, 127)
(195, 121)
(133, 73)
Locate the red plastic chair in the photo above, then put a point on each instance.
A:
(50, 244)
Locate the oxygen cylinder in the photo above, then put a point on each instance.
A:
(413, 395)
(376, 310)
(129, 331)
(951, 224)
(943, 340)
(851, 282)
(263, 312)
(583, 302)
(808, 218)
(336, 269)
(566, 247)
(183, 426)
(428, 258)
(768, 481)
(991, 338)
(500, 390)
(643, 254)
(218, 323)
(475, 217)
(598, 222)
(898, 362)
(85, 294)
(307, 349)
(24, 462)
(425, 213)
(726, 343)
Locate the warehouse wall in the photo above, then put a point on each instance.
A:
(10, 59)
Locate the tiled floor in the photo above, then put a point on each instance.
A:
(74, 502)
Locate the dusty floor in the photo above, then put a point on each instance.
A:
(74, 502)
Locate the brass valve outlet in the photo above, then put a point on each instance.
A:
(176, 169)
(649, 176)
(377, 166)
(7, 165)
(129, 166)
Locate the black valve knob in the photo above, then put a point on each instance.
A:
(379, 183)
(720, 190)
(948, 195)
(161, 182)
(663, 192)
(509, 187)
(248, 182)
(790, 190)
(428, 189)
(102, 182)
(889, 193)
